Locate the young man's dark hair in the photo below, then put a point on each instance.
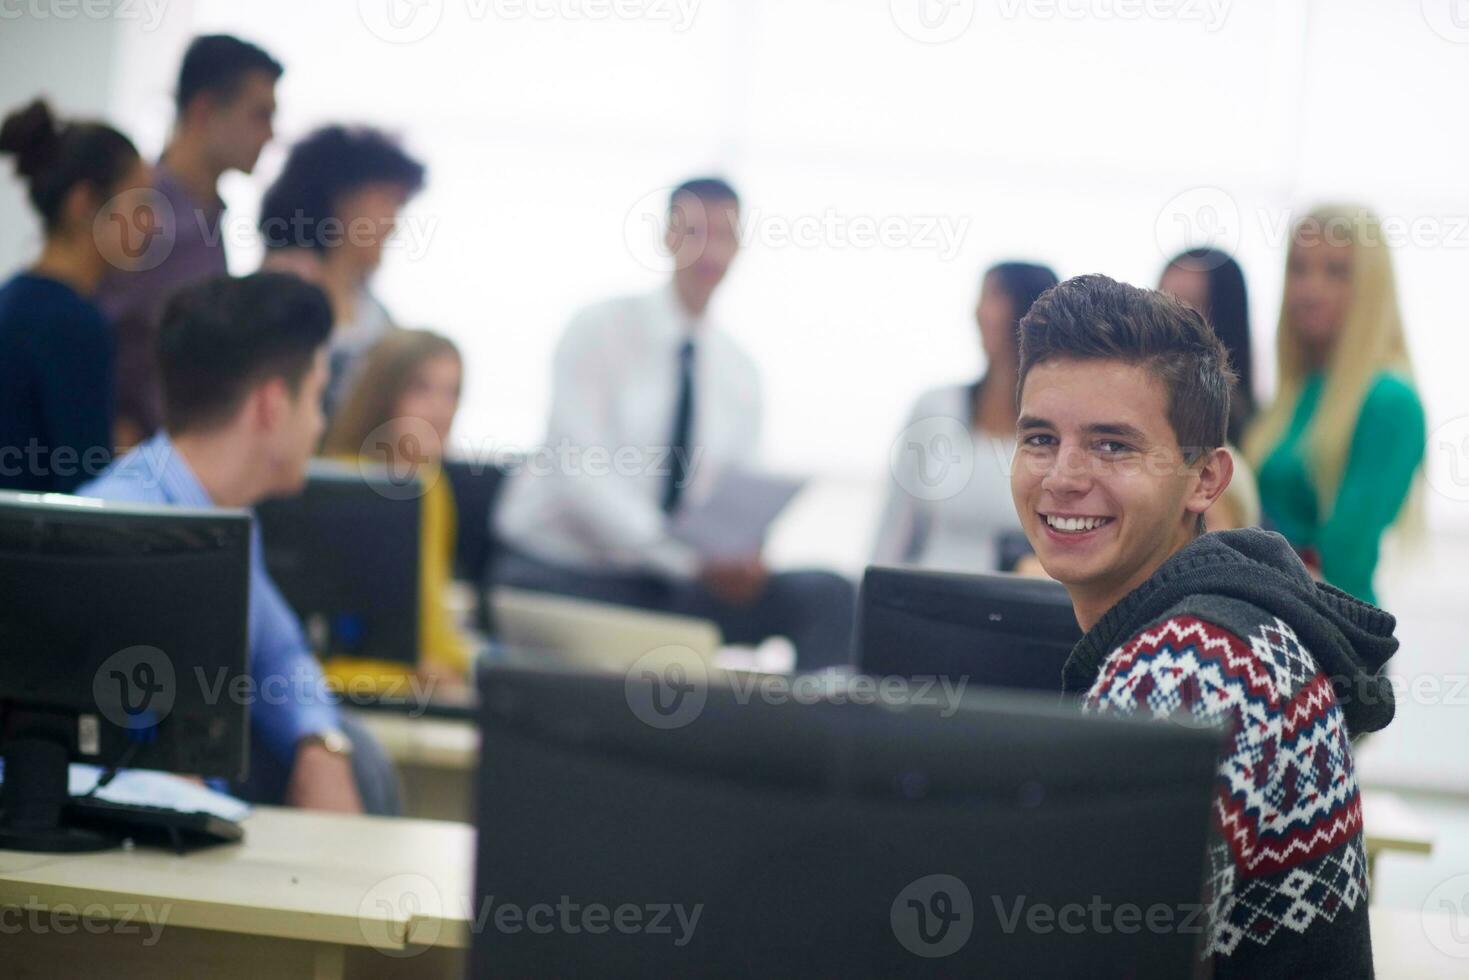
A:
(1093, 317)
(710, 190)
(302, 208)
(1123, 403)
(221, 337)
(217, 64)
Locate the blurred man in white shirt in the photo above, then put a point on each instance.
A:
(647, 390)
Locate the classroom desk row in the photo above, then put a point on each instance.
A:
(437, 757)
(325, 896)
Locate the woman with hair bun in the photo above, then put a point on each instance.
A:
(55, 344)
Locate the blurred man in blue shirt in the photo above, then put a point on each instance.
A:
(243, 365)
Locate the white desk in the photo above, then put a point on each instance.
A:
(1403, 945)
(319, 896)
(1389, 824)
(305, 895)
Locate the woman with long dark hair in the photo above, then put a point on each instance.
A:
(940, 517)
(1213, 283)
(56, 347)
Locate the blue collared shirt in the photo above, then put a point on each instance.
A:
(290, 699)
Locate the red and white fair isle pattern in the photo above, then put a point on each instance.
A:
(1286, 807)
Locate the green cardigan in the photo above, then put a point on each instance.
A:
(1386, 450)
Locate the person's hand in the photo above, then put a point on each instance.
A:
(322, 780)
(738, 582)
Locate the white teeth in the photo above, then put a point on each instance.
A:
(1075, 524)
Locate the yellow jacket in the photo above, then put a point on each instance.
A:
(439, 640)
(440, 643)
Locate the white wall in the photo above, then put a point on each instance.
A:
(1065, 139)
(32, 51)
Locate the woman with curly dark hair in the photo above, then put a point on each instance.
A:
(328, 217)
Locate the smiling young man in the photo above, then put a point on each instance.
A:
(1124, 399)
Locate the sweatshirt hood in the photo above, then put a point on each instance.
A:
(1350, 640)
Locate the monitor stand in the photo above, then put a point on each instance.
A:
(33, 796)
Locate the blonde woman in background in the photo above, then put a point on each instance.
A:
(1338, 450)
(398, 411)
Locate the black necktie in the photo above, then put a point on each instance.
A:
(683, 421)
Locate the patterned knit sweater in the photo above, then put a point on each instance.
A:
(1232, 631)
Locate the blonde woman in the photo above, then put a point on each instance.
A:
(399, 409)
(1337, 452)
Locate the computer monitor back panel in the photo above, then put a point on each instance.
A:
(834, 839)
(476, 485)
(992, 630)
(345, 555)
(132, 619)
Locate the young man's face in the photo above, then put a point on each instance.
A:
(1099, 481)
(703, 237)
(238, 128)
(299, 428)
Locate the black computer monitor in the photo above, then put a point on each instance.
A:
(344, 553)
(1005, 631)
(827, 837)
(476, 485)
(123, 632)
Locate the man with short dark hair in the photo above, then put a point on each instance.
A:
(653, 377)
(1124, 400)
(226, 108)
(243, 363)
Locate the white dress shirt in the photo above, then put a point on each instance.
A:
(961, 530)
(590, 497)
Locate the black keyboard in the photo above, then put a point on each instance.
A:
(152, 824)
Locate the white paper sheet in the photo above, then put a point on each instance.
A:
(146, 787)
(731, 520)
